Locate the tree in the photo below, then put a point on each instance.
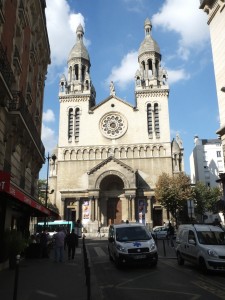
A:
(41, 190)
(172, 192)
(205, 198)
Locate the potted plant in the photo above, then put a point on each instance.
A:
(14, 244)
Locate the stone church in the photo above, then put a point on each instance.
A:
(110, 154)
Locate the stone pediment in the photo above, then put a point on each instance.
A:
(108, 99)
(107, 161)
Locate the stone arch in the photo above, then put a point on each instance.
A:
(104, 153)
(98, 154)
(85, 154)
(123, 153)
(112, 172)
(155, 151)
(117, 153)
(129, 153)
(136, 152)
(142, 152)
(92, 154)
(79, 155)
(161, 151)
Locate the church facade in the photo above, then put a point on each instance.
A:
(110, 154)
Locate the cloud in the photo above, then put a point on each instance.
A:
(49, 138)
(48, 116)
(177, 75)
(125, 72)
(188, 21)
(135, 6)
(61, 24)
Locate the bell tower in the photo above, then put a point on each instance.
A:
(151, 88)
(76, 93)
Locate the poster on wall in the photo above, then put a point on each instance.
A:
(86, 212)
(141, 211)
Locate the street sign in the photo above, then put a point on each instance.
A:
(190, 205)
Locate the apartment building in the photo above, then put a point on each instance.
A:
(206, 161)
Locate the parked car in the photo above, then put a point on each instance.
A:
(131, 243)
(160, 232)
(202, 245)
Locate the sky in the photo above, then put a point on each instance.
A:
(113, 34)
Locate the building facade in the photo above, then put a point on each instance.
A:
(206, 161)
(24, 57)
(110, 154)
(215, 9)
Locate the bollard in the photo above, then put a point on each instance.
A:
(16, 277)
(88, 282)
(164, 248)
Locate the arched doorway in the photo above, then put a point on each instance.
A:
(111, 187)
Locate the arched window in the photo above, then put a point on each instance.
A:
(70, 125)
(150, 68)
(149, 120)
(76, 72)
(156, 115)
(77, 124)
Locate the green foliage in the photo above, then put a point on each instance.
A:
(14, 242)
(205, 197)
(41, 190)
(172, 192)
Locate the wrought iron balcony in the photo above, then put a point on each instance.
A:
(18, 104)
(5, 68)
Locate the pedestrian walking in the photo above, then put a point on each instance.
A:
(44, 244)
(71, 243)
(170, 233)
(59, 238)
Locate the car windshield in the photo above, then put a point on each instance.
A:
(211, 237)
(132, 234)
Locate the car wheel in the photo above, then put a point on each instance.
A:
(118, 263)
(110, 256)
(154, 263)
(180, 260)
(202, 265)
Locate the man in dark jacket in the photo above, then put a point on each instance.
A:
(71, 243)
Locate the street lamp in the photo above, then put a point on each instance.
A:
(53, 157)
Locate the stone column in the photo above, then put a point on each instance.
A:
(133, 209)
(96, 208)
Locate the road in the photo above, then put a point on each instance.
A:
(166, 281)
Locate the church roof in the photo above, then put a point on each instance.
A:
(110, 158)
(149, 44)
(109, 98)
(79, 50)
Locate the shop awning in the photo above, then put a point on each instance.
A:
(6, 186)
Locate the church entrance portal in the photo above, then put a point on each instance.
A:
(111, 188)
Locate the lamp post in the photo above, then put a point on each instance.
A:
(53, 157)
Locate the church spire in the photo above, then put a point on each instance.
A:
(150, 73)
(79, 81)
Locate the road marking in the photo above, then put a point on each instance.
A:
(99, 251)
(211, 287)
(46, 294)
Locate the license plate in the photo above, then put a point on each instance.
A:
(140, 256)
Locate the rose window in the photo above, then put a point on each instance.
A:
(113, 125)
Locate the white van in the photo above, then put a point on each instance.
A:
(131, 243)
(203, 245)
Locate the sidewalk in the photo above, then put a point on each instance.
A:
(165, 250)
(43, 279)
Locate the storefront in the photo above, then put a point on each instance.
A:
(17, 209)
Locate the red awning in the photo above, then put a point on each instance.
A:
(7, 187)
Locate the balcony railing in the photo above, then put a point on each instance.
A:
(17, 104)
(5, 68)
